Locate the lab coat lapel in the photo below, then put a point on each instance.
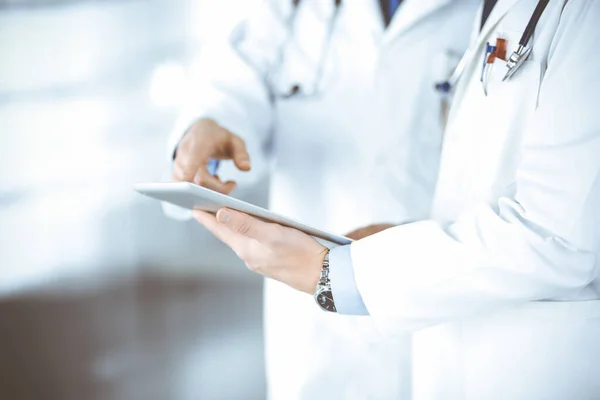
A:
(372, 14)
(499, 11)
(410, 13)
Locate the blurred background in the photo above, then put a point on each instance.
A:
(102, 296)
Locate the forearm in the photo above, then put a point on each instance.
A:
(426, 273)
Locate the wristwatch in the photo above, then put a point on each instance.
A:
(323, 295)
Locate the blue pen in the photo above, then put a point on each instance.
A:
(489, 49)
(213, 166)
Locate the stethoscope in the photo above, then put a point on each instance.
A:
(295, 90)
(514, 62)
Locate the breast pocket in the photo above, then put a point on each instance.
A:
(494, 66)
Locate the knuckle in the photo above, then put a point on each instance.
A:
(243, 228)
(185, 175)
(181, 169)
(241, 254)
(253, 267)
(244, 255)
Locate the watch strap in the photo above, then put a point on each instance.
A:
(323, 294)
(324, 279)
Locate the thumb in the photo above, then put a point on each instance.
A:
(243, 224)
(240, 155)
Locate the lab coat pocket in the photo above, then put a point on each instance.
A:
(493, 77)
(495, 67)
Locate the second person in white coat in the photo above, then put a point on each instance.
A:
(501, 283)
(329, 92)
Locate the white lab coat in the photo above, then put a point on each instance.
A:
(378, 98)
(503, 280)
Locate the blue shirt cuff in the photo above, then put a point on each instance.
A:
(343, 287)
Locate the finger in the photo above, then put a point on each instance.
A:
(246, 225)
(190, 160)
(185, 168)
(231, 238)
(355, 235)
(240, 155)
(177, 174)
(203, 178)
(205, 218)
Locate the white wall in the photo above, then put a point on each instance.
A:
(88, 94)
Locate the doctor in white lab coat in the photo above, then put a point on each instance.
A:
(374, 98)
(501, 284)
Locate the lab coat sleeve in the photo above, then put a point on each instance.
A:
(343, 286)
(228, 84)
(538, 243)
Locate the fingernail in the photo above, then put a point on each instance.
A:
(223, 216)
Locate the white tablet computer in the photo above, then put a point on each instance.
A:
(191, 196)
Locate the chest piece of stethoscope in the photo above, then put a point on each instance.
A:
(515, 61)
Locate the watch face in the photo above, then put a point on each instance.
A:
(325, 300)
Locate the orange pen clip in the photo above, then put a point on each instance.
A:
(500, 51)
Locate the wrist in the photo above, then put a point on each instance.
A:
(316, 267)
